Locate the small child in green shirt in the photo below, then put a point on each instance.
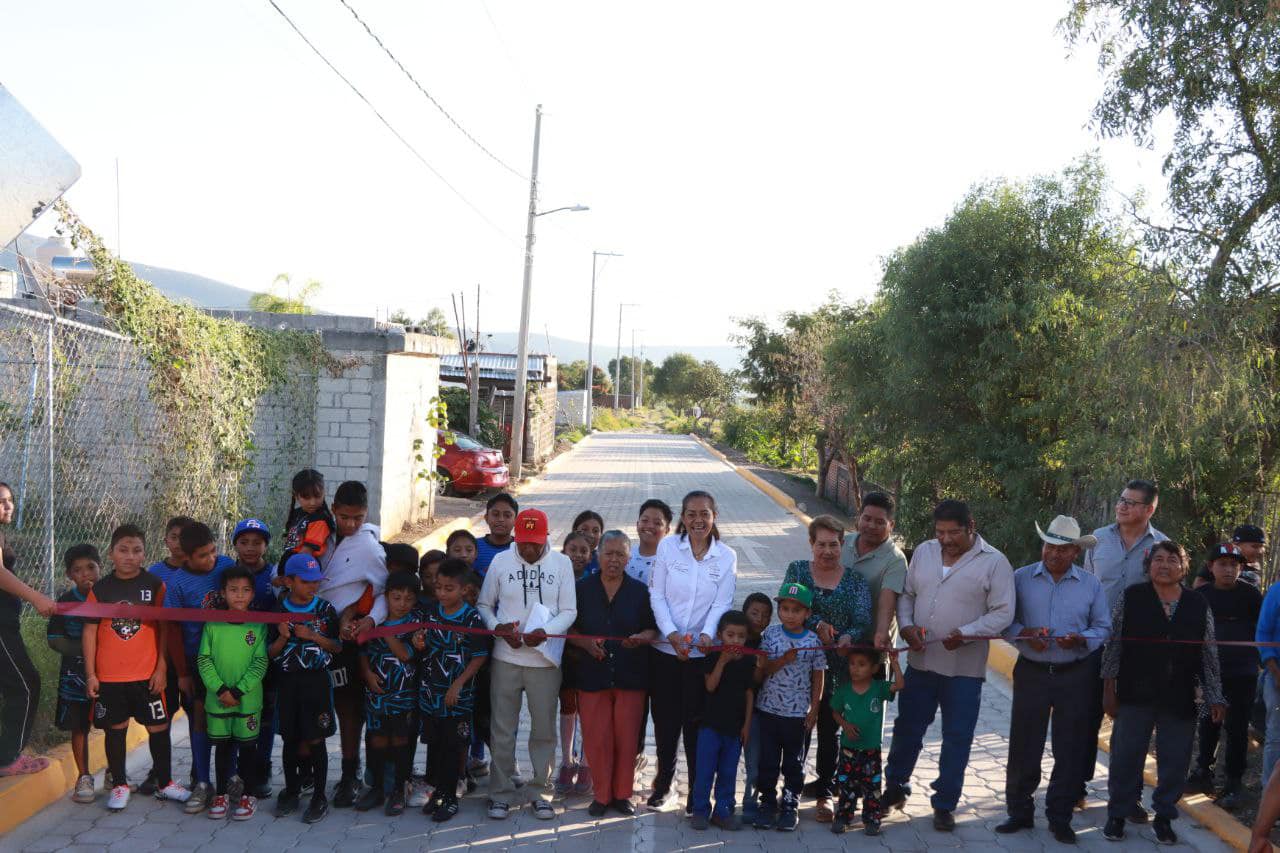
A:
(232, 663)
(858, 708)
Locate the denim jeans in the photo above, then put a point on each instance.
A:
(1271, 747)
(781, 748)
(717, 761)
(751, 766)
(959, 696)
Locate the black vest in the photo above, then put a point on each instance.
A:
(1156, 673)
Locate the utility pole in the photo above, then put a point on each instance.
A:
(591, 337)
(516, 463)
(617, 361)
(642, 371)
(473, 408)
(633, 369)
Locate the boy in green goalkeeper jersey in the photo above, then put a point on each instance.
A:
(232, 663)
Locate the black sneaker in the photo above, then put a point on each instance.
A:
(895, 797)
(287, 802)
(788, 820)
(307, 782)
(1230, 799)
(943, 820)
(1164, 832)
(432, 803)
(659, 800)
(871, 827)
(370, 799)
(260, 791)
(766, 818)
(1138, 815)
(838, 826)
(447, 808)
(346, 792)
(1063, 833)
(395, 803)
(316, 809)
(1200, 780)
(1114, 829)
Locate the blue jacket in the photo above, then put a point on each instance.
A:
(1269, 625)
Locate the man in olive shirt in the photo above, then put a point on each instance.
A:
(872, 554)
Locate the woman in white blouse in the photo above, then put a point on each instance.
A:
(694, 575)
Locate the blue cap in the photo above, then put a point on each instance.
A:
(251, 525)
(303, 567)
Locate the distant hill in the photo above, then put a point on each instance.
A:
(176, 284)
(565, 350)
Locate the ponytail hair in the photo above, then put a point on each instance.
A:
(684, 504)
(306, 480)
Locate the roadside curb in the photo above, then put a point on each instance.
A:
(1001, 659)
(22, 796)
(778, 496)
(1217, 820)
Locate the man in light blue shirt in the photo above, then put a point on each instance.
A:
(1117, 561)
(1060, 619)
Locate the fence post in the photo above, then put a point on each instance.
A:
(49, 551)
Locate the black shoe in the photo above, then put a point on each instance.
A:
(370, 799)
(838, 827)
(766, 818)
(432, 804)
(346, 792)
(261, 791)
(1138, 815)
(943, 820)
(1230, 799)
(1200, 780)
(625, 807)
(597, 809)
(788, 820)
(895, 797)
(659, 799)
(471, 785)
(688, 806)
(1063, 833)
(1114, 829)
(447, 808)
(287, 802)
(148, 786)
(1164, 832)
(308, 782)
(316, 809)
(871, 827)
(395, 803)
(1015, 824)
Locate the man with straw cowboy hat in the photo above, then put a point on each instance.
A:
(1060, 620)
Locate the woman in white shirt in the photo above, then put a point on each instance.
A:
(694, 575)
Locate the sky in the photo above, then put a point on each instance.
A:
(745, 157)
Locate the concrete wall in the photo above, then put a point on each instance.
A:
(411, 389)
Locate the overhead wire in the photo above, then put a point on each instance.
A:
(407, 73)
(417, 154)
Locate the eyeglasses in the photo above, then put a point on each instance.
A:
(1123, 501)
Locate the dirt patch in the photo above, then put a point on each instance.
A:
(447, 509)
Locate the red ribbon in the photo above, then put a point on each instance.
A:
(151, 613)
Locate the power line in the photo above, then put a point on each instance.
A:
(390, 127)
(494, 157)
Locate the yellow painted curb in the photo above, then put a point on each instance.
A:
(778, 496)
(1218, 821)
(23, 796)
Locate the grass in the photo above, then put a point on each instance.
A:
(45, 735)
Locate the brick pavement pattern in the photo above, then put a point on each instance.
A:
(611, 473)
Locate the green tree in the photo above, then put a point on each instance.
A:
(1213, 66)
(572, 375)
(436, 324)
(287, 303)
(673, 381)
(624, 386)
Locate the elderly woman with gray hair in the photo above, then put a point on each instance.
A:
(614, 677)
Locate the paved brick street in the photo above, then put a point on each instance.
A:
(611, 473)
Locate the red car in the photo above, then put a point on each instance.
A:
(467, 466)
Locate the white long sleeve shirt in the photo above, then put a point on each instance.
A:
(688, 596)
(512, 586)
(355, 563)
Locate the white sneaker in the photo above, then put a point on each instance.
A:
(119, 798)
(419, 793)
(84, 792)
(247, 806)
(173, 791)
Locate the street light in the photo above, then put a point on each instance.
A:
(617, 362)
(591, 334)
(522, 347)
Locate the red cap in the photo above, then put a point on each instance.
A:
(531, 526)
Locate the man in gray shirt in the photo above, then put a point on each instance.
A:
(871, 553)
(1117, 562)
